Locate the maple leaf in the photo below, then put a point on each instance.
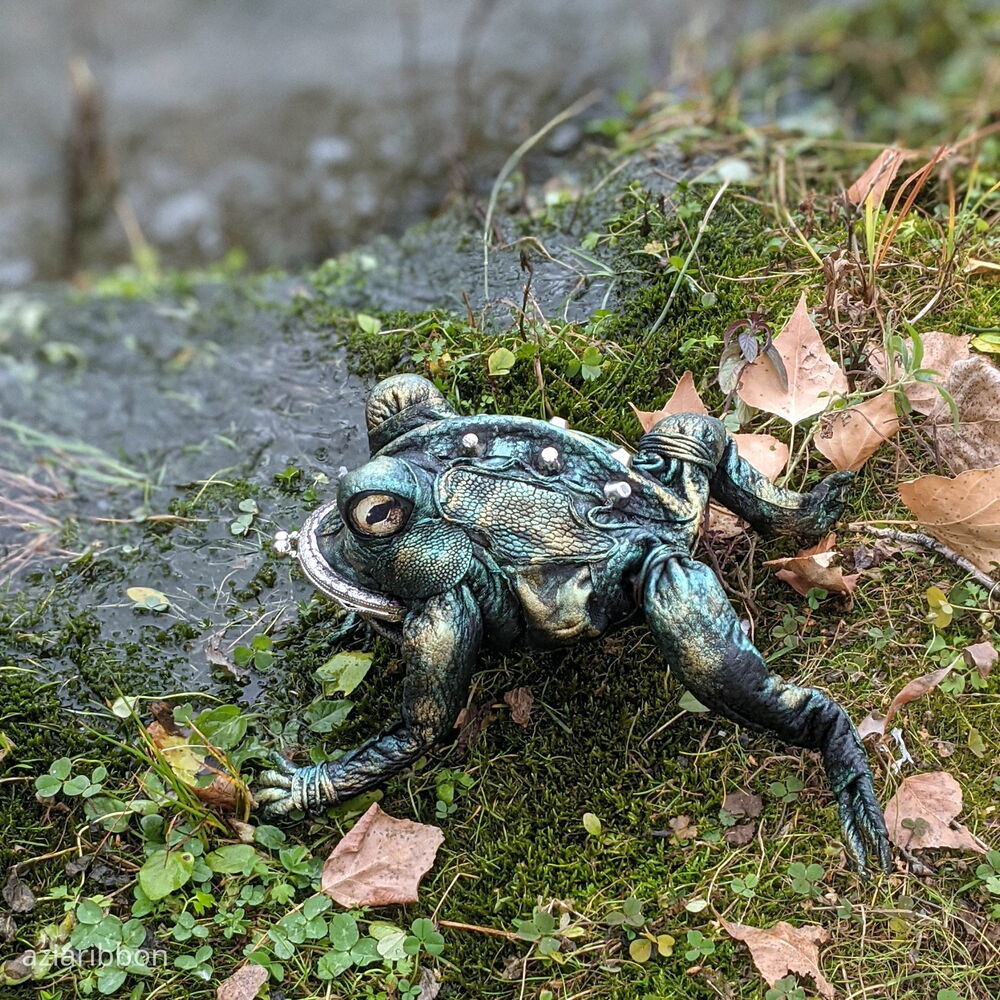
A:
(380, 861)
(848, 438)
(940, 352)
(815, 567)
(684, 399)
(765, 453)
(814, 378)
(962, 513)
(243, 984)
(875, 181)
(974, 385)
(783, 949)
(927, 804)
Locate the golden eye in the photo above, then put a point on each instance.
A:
(379, 514)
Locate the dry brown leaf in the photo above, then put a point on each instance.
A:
(915, 689)
(814, 378)
(380, 861)
(875, 181)
(783, 949)
(974, 385)
(935, 798)
(815, 567)
(848, 438)
(941, 352)
(243, 984)
(723, 524)
(740, 834)
(519, 701)
(976, 266)
(981, 655)
(685, 399)
(741, 803)
(962, 513)
(765, 453)
(873, 724)
(683, 828)
(193, 765)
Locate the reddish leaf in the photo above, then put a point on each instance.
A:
(916, 688)
(875, 181)
(814, 378)
(685, 399)
(783, 949)
(243, 984)
(935, 798)
(765, 453)
(380, 861)
(815, 567)
(848, 438)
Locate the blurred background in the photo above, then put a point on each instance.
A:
(291, 129)
(288, 130)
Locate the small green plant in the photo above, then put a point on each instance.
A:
(243, 521)
(786, 989)
(806, 878)
(745, 886)
(260, 653)
(60, 778)
(547, 934)
(787, 790)
(448, 786)
(699, 947)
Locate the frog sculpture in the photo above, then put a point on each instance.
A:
(509, 532)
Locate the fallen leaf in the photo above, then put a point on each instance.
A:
(815, 567)
(683, 828)
(875, 181)
(981, 655)
(194, 766)
(380, 861)
(915, 689)
(741, 803)
(962, 513)
(928, 803)
(519, 700)
(974, 385)
(814, 378)
(975, 265)
(243, 984)
(873, 724)
(765, 453)
(740, 834)
(783, 949)
(430, 985)
(941, 351)
(684, 399)
(848, 438)
(17, 895)
(723, 524)
(148, 598)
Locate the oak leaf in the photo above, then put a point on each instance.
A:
(684, 399)
(962, 513)
(974, 443)
(783, 949)
(764, 452)
(928, 804)
(814, 378)
(815, 567)
(243, 984)
(941, 351)
(875, 181)
(380, 861)
(848, 438)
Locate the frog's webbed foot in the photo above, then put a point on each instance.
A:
(700, 635)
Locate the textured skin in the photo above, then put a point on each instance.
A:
(504, 547)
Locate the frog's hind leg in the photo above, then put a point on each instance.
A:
(688, 451)
(773, 510)
(699, 634)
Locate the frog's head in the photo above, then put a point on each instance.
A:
(383, 542)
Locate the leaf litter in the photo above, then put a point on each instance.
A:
(923, 813)
(783, 949)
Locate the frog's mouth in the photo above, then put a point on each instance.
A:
(304, 545)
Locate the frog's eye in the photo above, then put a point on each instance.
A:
(379, 514)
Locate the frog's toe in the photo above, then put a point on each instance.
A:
(275, 793)
(864, 828)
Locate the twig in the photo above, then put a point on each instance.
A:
(932, 544)
(492, 931)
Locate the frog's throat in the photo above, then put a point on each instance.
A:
(321, 575)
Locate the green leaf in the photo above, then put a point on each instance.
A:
(165, 871)
(88, 912)
(333, 964)
(324, 716)
(690, 703)
(61, 768)
(269, 836)
(640, 949)
(501, 361)
(369, 324)
(592, 824)
(344, 672)
(223, 726)
(315, 905)
(47, 785)
(344, 933)
(390, 945)
(109, 978)
(233, 859)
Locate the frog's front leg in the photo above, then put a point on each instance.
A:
(440, 644)
(700, 634)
